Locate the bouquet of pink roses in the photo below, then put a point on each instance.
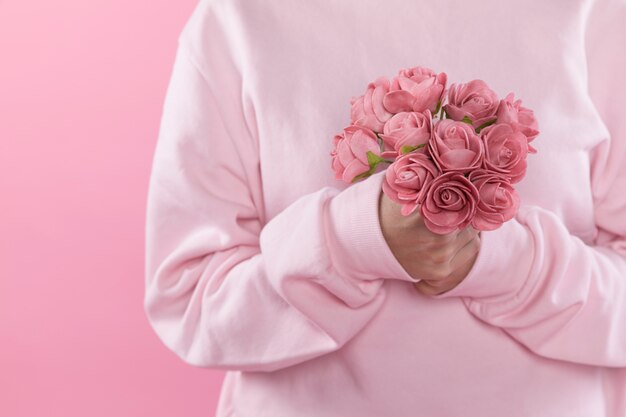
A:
(453, 152)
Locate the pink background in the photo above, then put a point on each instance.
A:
(82, 85)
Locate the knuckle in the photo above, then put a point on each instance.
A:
(422, 287)
(442, 256)
(440, 274)
(428, 287)
(444, 240)
(437, 284)
(438, 259)
(449, 252)
(474, 246)
(432, 288)
(431, 240)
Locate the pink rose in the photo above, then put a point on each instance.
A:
(450, 203)
(407, 179)
(498, 201)
(521, 118)
(415, 89)
(474, 100)
(505, 151)
(349, 157)
(408, 129)
(368, 110)
(455, 146)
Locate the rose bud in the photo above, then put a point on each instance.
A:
(519, 117)
(505, 151)
(454, 146)
(368, 110)
(415, 89)
(473, 102)
(498, 200)
(350, 155)
(407, 179)
(450, 203)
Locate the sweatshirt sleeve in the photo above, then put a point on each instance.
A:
(225, 289)
(560, 297)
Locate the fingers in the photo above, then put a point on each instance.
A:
(460, 237)
(421, 252)
(425, 288)
(457, 269)
(467, 253)
(444, 250)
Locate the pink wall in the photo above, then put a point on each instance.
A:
(81, 90)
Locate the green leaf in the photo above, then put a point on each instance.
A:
(408, 149)
(438, 107)
(373, 159)
(363, 175)
(484, 125)
(466, 119)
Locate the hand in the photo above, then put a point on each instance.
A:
(440, 261)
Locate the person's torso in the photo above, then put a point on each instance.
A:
(304, 60)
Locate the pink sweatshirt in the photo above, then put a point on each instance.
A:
(259, 262)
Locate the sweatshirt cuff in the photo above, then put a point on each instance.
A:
(502, 264)
(360, 248)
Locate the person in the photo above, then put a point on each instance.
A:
(318, 297)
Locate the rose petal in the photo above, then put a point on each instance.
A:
(458, 158)
(354, 168)
(398, 101)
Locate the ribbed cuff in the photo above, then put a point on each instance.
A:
(502, 264)
(363, 250)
